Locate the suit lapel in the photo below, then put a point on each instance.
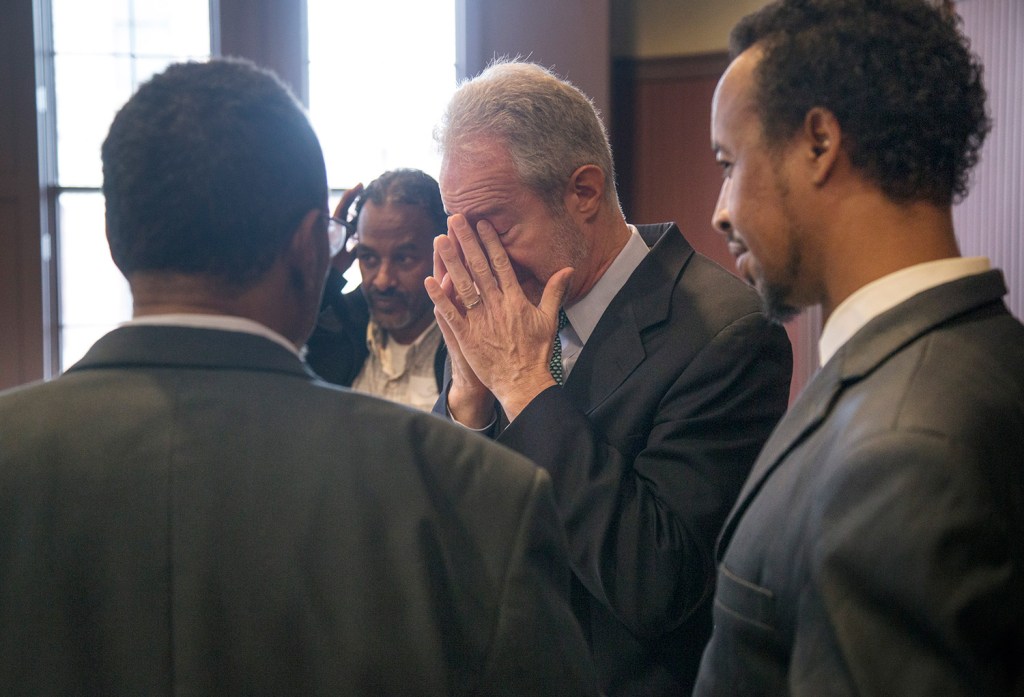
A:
(622, 351)
(803, 418)
(881, 338)
(616, 346)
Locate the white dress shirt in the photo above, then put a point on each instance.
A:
(228, 323)
(886, 293)
(586, 312)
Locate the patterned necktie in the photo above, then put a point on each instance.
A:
(555, 366)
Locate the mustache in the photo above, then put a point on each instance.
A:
(389, 294)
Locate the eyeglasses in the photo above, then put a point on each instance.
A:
(341, 234)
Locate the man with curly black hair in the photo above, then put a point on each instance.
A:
(877, 547)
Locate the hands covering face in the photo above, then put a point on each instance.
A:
(499, 342)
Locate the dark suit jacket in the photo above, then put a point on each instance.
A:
(648, 444)
(878, 547)
(191, 511)
(337, 349)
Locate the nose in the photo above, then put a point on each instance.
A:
(384, 279)
(720, 218)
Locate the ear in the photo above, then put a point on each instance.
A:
(585, 191)
(822, 142)
(309, 250)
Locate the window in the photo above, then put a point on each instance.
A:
(103, 50)
(380, 75)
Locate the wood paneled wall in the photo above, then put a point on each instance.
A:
(572, 37)
(666, 170)
(661, 135)
(24, 282)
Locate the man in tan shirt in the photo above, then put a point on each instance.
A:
(381, 338)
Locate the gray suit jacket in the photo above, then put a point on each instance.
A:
(190, 511)
(878, 545)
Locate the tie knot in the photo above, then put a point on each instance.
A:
(563, 319)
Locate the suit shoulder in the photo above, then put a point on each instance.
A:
(961, 383)
(443, 452)
(719, 288)
(966, 379)
(709, 302)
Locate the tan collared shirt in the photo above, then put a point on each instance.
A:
(402, 373)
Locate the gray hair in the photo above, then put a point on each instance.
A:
(549, 126)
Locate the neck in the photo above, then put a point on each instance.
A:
(266, 302)
(409, 334)
(882, 237)
(606, 239)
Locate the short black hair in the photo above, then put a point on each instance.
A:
(207, 170)
(898, 75)
(409, 186)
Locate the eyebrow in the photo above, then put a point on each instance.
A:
(404, 247)
(486, 212)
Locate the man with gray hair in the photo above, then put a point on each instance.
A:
(643, 377)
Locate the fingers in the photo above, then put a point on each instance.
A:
(500, 264)
(465, 287)
(343, 259)
(460, 367)
(440, 270)
(449, 336)
(445, 281)
(341, 210)
(554, 292)
(477, 262)
(444, 308)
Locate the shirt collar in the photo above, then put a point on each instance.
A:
(228, 323)
(377, 338)
(886, 293)
(585, 313)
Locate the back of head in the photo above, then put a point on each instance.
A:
(208, 170)
(550, 127)
(410, 187)
(897, 74)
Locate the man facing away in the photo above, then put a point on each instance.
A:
(189, 510)
(382, 338)
(878, 545)
(673, 377)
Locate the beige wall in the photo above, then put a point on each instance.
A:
(652, 28)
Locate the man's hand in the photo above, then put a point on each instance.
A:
(346, 255)
(500, 343)
(469, 401)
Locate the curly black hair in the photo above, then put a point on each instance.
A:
(207, 170)
(897, 74)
